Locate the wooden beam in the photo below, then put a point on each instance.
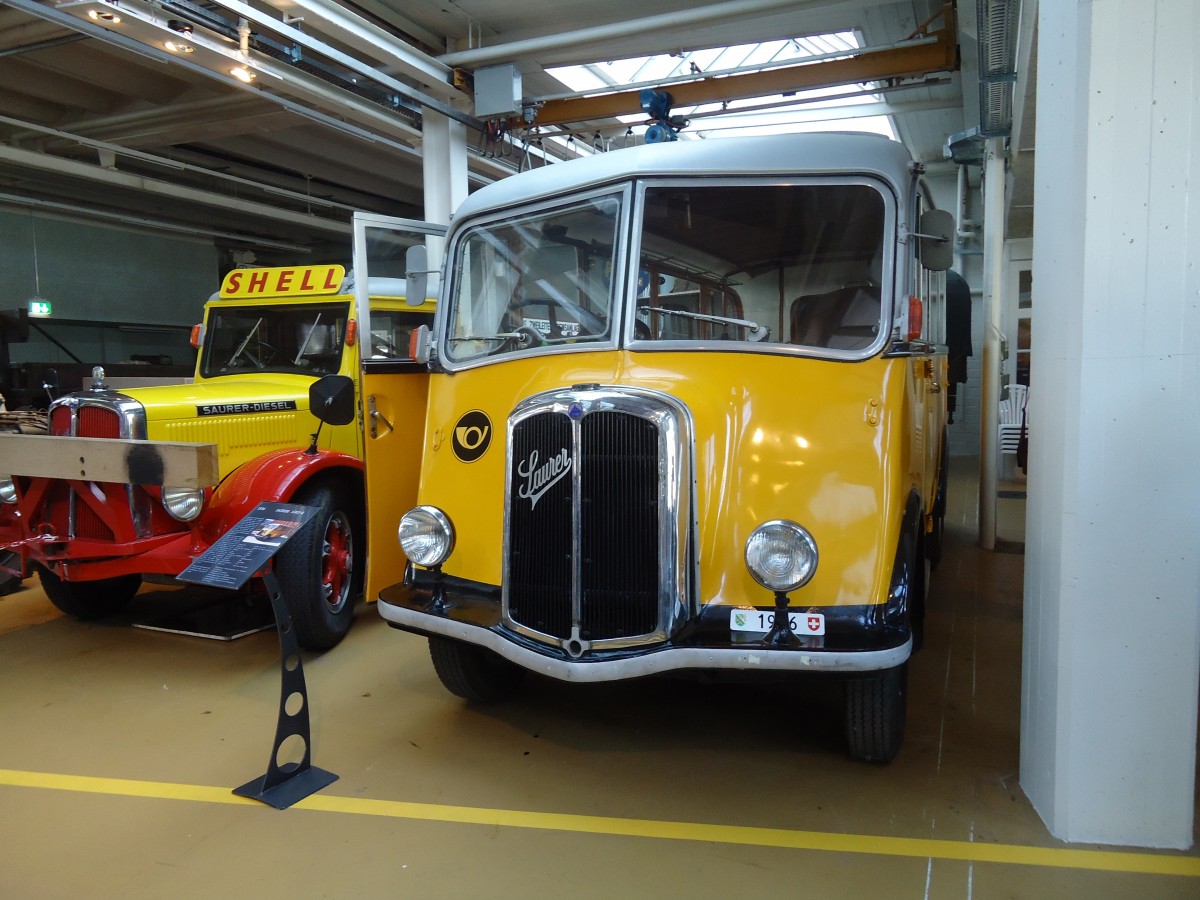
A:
(162, 463)
(938, 55)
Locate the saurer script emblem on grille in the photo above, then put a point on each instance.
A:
(539, 479)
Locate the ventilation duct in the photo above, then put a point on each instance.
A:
(998, 22)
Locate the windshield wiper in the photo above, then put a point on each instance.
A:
(524, 337)
(757, 332)
(307, 340)
(242, 345)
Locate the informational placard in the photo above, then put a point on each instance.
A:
(248, 545)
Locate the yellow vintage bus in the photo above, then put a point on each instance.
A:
(686, 415)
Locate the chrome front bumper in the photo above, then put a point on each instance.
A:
(650, 661)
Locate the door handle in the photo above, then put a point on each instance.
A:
(376, 416)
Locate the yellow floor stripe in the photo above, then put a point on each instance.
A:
(921, 848)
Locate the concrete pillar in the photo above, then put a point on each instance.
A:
(1112, 577)
(444, 155)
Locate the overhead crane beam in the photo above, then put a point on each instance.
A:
(937, 54)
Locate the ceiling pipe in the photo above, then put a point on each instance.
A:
(47, 44)
(357, 32)
(117, 150)
(341, 104)
(150, 124)
(87, 212)
(38, 161)
(632, 27)
(436, 76)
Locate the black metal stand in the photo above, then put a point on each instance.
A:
(290, 783)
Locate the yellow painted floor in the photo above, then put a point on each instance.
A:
(119, 748)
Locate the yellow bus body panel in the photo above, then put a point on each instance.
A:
(836, 446)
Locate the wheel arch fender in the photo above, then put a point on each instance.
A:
(904, 566)
(275, 476)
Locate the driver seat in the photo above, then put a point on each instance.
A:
(843, 319)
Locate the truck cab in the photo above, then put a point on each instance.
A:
(267, 336)
(686, 415)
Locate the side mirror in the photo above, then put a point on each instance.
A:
(937, 240)
(331, 399)
(416, 274)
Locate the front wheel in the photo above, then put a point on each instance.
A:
(876, 713)
(89, 600)
(320, 569)
(473, 673)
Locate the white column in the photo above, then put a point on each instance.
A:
(444, 156)
(1112, 565)
(993, 298)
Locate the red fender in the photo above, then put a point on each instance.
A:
(272, 476)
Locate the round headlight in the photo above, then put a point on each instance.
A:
(184, 504)
(8, 490)
(781, 555)
(426, 536)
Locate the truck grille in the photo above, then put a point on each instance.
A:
(596, 518)
(98, 414)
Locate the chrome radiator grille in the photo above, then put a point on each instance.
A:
(97, 414)
(596, 518)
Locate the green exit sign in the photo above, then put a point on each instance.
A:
(39, 308)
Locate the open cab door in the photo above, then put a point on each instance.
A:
(394, 386)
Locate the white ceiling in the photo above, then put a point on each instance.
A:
(98, 116)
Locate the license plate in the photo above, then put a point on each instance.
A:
(760, 620)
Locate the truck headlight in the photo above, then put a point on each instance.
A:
(8, 490)
(183, 504)
(426, 536)
(781, 555)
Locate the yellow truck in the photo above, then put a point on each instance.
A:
(138, 483)
(686, 415)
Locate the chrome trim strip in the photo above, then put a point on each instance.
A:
(668, 659)
(575, 641)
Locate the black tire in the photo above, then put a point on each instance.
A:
(876, 710)
(88, 600)
(320, 568)
(10, 568)
(473, 673)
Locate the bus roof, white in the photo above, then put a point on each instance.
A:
(784, 154)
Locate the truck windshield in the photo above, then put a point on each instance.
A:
(541, 279)
(304, 339)
(795, 264)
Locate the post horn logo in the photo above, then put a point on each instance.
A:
(472, 435)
